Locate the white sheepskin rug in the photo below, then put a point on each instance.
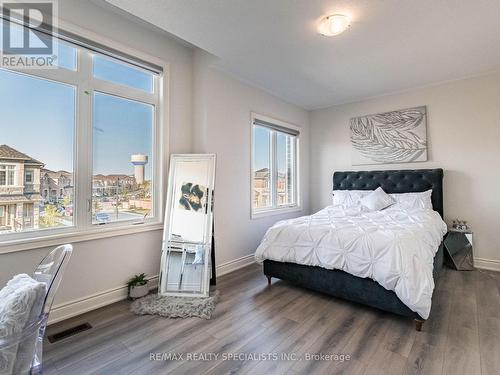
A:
(176, 307)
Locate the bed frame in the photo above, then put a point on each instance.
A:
(364, 290)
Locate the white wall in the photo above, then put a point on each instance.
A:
(222, 126)
(103, 265)
(463, 129)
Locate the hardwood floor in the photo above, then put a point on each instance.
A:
(462, 335)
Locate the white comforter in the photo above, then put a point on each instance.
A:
(394, 247)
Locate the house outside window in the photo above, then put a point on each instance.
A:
(274, 166)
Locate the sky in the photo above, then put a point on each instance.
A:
(261, 147)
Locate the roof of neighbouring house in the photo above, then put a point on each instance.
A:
(112, 177)
(57, 174)
(19, 198)
(7, 152)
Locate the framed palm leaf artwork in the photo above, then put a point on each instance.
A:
(390, 137)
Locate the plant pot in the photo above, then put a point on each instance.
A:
(138, 291)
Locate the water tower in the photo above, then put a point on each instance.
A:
(139, 161)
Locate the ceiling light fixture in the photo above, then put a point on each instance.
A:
(334, 24)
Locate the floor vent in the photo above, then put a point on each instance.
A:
(68, 332)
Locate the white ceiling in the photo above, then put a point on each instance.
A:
(392, 45)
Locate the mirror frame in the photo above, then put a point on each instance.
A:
(205, 287)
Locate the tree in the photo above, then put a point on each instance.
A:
(66, 201)
(50, 217)
(95, 204)
(144, 190)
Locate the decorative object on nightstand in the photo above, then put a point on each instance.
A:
(458, 247)
(460, 225)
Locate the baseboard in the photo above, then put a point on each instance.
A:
(79, 306)
(235, 264)
(487, 264)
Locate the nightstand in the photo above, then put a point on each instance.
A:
(458, 250)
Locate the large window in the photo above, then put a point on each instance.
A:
(274, 166)
(79, 145)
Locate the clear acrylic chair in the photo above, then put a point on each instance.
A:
(50, 272)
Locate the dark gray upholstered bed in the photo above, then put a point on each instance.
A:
(364, 290)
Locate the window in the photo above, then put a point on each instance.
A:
(7, 175)
(262, 140)
(85, 136)
(28, 177)
(123, 141)
(43, 113)
(285, 166)
(274, 166)
(114, 71)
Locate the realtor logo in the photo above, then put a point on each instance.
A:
(27, 34)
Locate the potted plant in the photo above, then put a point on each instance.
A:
(138, 286)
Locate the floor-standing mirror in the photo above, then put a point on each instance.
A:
(187, 237)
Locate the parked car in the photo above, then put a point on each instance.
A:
(102, 218)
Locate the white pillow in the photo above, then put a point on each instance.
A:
(409, 201)
(21, 301)
(348, 198)
(377, 200)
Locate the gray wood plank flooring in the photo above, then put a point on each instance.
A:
(462, 335)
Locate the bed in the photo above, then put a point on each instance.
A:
(364, 290)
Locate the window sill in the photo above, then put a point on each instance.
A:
(274, 211)
(12, 246)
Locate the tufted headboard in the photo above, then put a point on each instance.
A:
(396, 181)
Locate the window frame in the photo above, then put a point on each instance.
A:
(85, 84)
(10, 171)
(30, 174)
(275, 208)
